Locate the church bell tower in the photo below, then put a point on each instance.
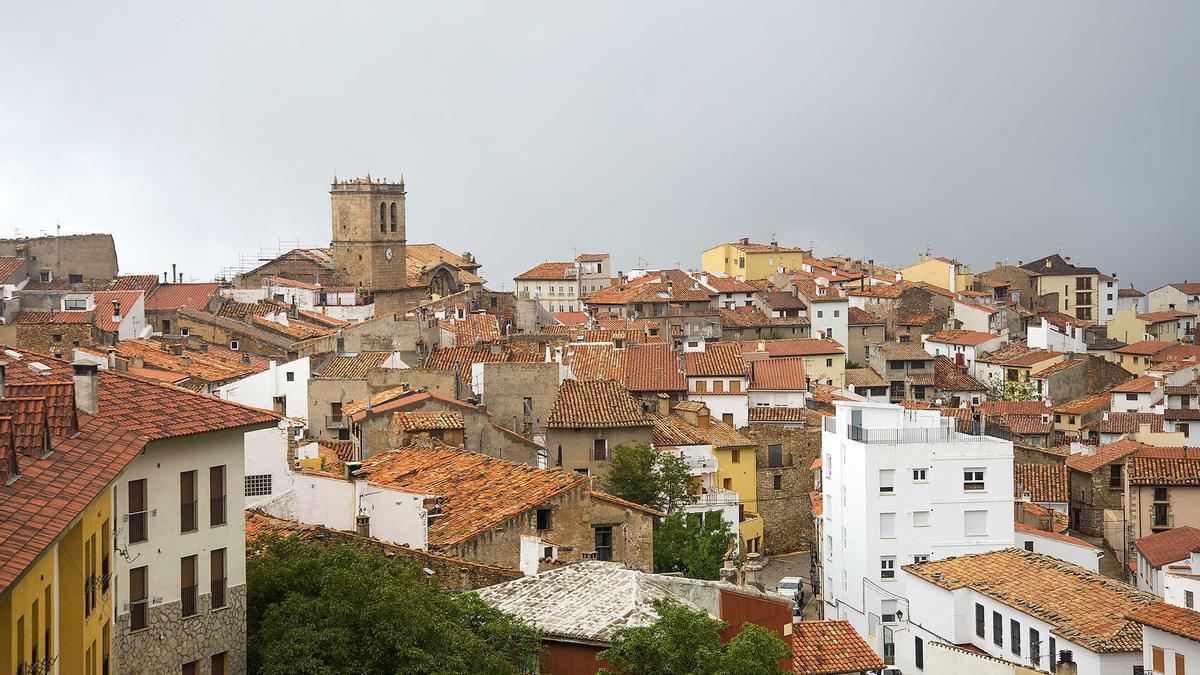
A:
(368, 237)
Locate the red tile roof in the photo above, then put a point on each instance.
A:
(1126, 423)
(104, 307)
(472, 328)
(134, 282)
(1145, 347)
(1014, 407)
(10, 264)
(595, 361)
(653, 367)
(1085, 404)
(777, 374)
(351, 366)
(1163, 471)
(829, 647)
(768, 414)
(572, 318)
(1181, 621)
(791, 347)
(969, 338)
(861, 317)
(1167, 547)
(425, 420)
(598, 404)
(548, 271)
(51, 317)
(1043, 482)
(476, 492)
(1138, 385)
(947, 377)
(1159, 317)
(1104, 454)
(174, 296)
(1057, 536)
(718, 359)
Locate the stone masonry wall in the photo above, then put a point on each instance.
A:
(787, 512)
(171, 640)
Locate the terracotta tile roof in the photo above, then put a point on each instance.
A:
(1190, 389)
(321, 319)
(260, 525)
(653, 367)
(51, 317)
(1057, 536)
(1167, 547)
(1179, 352)
(920, 379)
(262, 336)
(1014, 407)
(1130, 292)
(548, 271)
(1056, 368)
(1126, 423)
(420, 258)
(472, 328)
(345, 451)
(781, 300)
(861, 317)
(1164, 616)
(215, 365)
(447, 358)
(878, 291)
(595, 361)
(970, 338)
(648, 292)
(134, 282)
(864, 377)
(378, 399)
(59, 397)
(751, 317)
(1025, 425)
(240, 310)
(791, 347)
(1059, 521)
(1044, 482)
(903, 351)
(777, 374)
(357, 410)
(1032, 358)
(1163, 471)
(293, 328)
(1104, 454)
(1144, 384)
(718, 359)
(425, 420)
(673, 430)
(1085, 404)
(1175, 414)
(572, 318)
(351, 366)
(1159, 317)
(829, 647)
(1056, 265)
(751, 247)
(10, 264)
(1081, 606)
(765, 414)
(1145, 347)
(476, 492)
(723, 284)
(28, 429)
(598, 404)
(103, 315)
(174, 296)
(947, 377)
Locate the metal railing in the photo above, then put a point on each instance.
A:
(188, 600)
(216, 510)
(336, 422)
(917, 435)
(218, 593)
(187, 517)
(138, 614)
(137, 527)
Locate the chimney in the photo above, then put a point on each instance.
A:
(362, 525)
(702, 418)
(112, 359)
(753, 571)
(664, 404)
(1066, 663)
(245, 358)
(174, 278)
(185, 360)
(87, 387)
(729, 573)
(1, 380)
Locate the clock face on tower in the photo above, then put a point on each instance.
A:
(388, 254)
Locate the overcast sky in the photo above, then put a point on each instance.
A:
(199, 133)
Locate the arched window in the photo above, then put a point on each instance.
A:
(393, 216)
(382, 217)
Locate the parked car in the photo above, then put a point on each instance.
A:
(788, 586)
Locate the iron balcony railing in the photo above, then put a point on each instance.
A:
(336, 422)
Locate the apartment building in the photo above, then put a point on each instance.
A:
(1076, 288)
(898, 487)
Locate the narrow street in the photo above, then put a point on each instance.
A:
(791, 565)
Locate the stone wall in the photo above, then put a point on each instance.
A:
(572, 448)
(787, 512)
(91, 256)
(1018, 279)
(41, 338)
(481, 435)
(438, 381)
(171, 640)
(323, 391)
(505, 385)
(1090, 497)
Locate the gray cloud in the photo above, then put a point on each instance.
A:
(987, 130)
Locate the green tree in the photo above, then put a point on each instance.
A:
(651, 477)
(1003, 389)
(685, 641)
(325, 608)
(692, 544)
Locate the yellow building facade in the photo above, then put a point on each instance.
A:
(1126, 326)
(745, 260)
(941, 272)
(60, 609)
(737, 471)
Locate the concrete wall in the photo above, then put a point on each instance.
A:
(572, 448)
(505, 385)
(94, 256)
(324, 391)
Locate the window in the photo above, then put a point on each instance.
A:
(191, 668)
(973, 479)
(775, 455)
(718, 386)
(233, 345)
(1160, 494)
(1014, 636)
(1114, 475)
(1035, 646)
(887, 567)
(393, 216)
(543, 519)
(735, 455)
(1179, 664)
(1160, 518)
(920, 519)
(919, 558)
(1053, 660)
(980, 621)
(727, 483)
(599, 449)
(1159, 660)
(138, 596)
(1131, 397)
(735, 386)
(187, 585)
(1029, 545)
(997, 629)
(887, 525)
(919, 653)
(258, 485)
(727, 418)
(887, 611)
(604, 542)
(975, 523)
(887, 481)
(187, 501)
(1189, 600)
(920, 475)
(216, 496)
(382, 217)
(701, 386)
(57, 337)
(216, 577)
(75, 278)
(837, 313)
(290, 376)
(137, 511)
(829, 363)
(219, 664)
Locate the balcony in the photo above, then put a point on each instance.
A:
(716, 498)
(336, 422)
(913, 435)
